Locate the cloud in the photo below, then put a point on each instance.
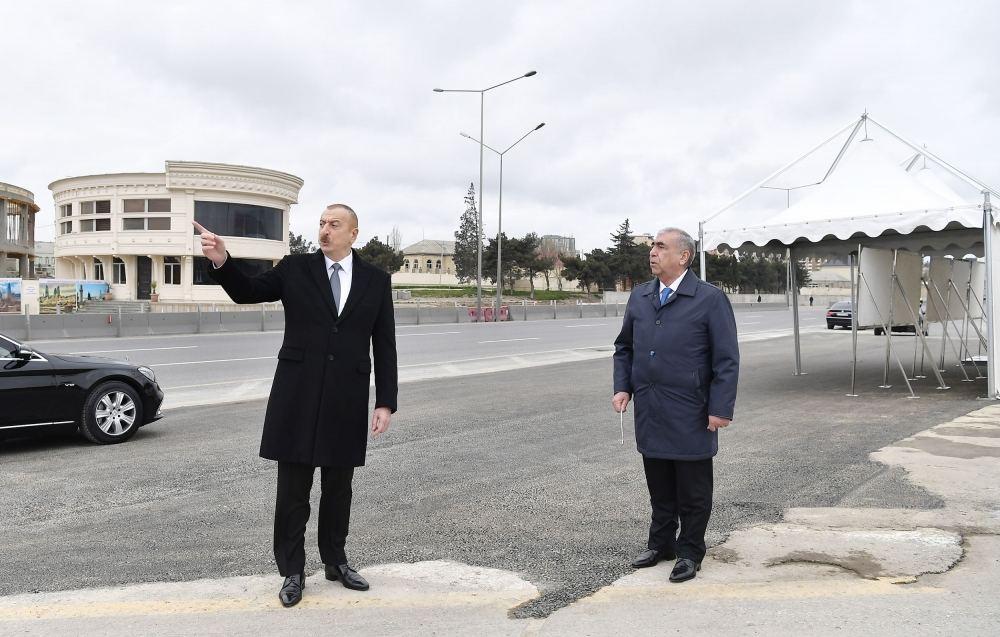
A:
(655, 111)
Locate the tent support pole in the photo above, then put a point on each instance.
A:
(968, 322)
(947, 314)
(947, 339)
(852, 258)
(919, 332)
(885, 327)
(888, 332)
(992, 366)
(795, 312)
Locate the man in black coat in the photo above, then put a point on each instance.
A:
(678, 356)
(336, 306)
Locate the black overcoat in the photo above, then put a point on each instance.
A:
(317, 412)
(681, 364)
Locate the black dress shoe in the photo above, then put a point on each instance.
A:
(650, 557)
(684, 570)
(347, 576)
(291, 591)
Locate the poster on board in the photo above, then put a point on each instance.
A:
(10, 295)
(876, 266)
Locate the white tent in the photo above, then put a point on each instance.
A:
(865, 197)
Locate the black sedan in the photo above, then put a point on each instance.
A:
(840, 314)
(105, 400)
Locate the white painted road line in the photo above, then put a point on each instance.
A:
(218, 360)
(428, 334)
(587, 325)
(751, 323)
(225, 382)
(508, 340)
(141, 349)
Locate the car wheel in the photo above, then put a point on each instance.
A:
(879, 331)
(112, 413)
(829, 326)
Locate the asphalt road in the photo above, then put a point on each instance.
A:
(519, 470)
(229, 360)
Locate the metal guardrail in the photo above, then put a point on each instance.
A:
(264, 318)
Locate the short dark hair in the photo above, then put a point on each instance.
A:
(344, 206)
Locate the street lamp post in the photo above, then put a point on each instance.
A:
(496, 315)
(479, 215)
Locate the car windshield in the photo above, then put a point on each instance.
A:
(841, 305)
(7, 347)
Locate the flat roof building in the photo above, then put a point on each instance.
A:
(134, 230)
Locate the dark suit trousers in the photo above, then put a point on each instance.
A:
(679, 490)
(291, 512)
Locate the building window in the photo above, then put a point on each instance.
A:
(438, 267)
(146, 223)
(98, 269)
(429, 265)
(118, 268)
(101, 207)
(146, 205)
(249, 267)
(95, 225)
(65, 210)
(406, 265)
(135, 205)
(239, 220)
(158, 205)
(171, 270)
(66, 227)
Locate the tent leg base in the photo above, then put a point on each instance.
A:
(942, 388)
(884, 386)
(851, 395)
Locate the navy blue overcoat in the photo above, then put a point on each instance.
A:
(680, 362)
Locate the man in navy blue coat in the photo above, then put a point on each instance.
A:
(678, 357)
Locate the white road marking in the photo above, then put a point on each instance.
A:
(218, 360)
(225, 382)
(429, 334)
(587, 325)
(508, 340)
(751, 323)
(142, 349)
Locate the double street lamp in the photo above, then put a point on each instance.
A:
(496, 315)
(479, 215)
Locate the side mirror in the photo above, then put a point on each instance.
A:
(25, 353)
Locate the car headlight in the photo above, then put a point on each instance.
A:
(148, 373)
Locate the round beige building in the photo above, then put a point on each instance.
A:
(134, 230)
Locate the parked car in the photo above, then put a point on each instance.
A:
(105, 400)
(840, 314)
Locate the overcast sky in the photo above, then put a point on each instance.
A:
(656, 111)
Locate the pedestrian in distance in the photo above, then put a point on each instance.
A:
(810, 300)
(677, 356)
(337, 306)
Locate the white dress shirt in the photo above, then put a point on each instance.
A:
(346, 274)
(673, 286)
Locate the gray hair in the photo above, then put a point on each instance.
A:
(684, 240)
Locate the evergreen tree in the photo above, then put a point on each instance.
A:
(627, 260)
(466, 257)
(297, 244)
(381, 255)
